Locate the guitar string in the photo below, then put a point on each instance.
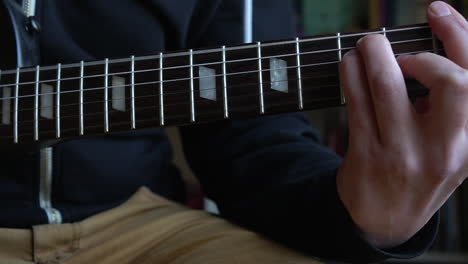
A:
(198, 100)
(245, 46)
(173, 93)
(97, 89)
(198, 65)
(169, 105)
(195, 65)
(283, 55)
(181, 115)
(87, 91)
(155, 120)
(290, 103)
(185, 115)
(255, 95)
(196, 78)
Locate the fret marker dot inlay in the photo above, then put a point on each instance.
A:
(279, 75)
(207, 83)
(118, 93)
(47, 101)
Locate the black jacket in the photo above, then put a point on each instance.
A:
(269, 174)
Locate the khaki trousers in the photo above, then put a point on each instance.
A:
(145, 229)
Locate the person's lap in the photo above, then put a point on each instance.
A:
(145, 229)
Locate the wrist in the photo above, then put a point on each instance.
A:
(381, 227)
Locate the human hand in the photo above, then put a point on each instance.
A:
(402, 164)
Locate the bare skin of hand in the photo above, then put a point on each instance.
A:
(403, 164)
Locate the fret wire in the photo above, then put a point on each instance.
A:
(186, 79)
(260, 78)
(434, 44)
(152, 120)
(338, 41)
(57, 101)
(299, 75)
(81, 98)
(132, 93)
(225, 98)
(265, 70)
(384, 30)
(201, 100)
(175, 116)
(231, 74)
(174, 93)
(192, 92)
(322, 76)
(161, 90)
(232, 86)
(216, 63)
(15, 129)
(106, 97)
(239, 96)
(181, 115)
(36, 106)
(340, 58)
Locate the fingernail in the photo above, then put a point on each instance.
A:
(350, 53)
(440, 9)
(359, 42)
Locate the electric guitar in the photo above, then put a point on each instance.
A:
(87, 98)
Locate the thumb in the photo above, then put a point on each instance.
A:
(452, 29)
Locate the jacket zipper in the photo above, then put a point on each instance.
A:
(248, 21)
(45, 185)
(29, 7)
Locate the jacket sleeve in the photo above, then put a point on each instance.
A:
(270, 174)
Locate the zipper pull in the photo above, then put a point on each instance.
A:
(32, 26)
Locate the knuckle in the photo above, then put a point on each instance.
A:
(411, 165)
(372, 39)
(415, 60)
(350, 59)
(445, 168)
(458, 81)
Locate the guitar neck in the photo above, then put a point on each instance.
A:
(167, 89)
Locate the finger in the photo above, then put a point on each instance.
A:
(452, 29)
(447, 81)
(358, 100)
(388, 90)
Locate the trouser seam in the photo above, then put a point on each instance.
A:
(60, 255)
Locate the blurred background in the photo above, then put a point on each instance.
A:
(330, 16)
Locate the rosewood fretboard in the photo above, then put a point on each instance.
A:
(98, 97)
